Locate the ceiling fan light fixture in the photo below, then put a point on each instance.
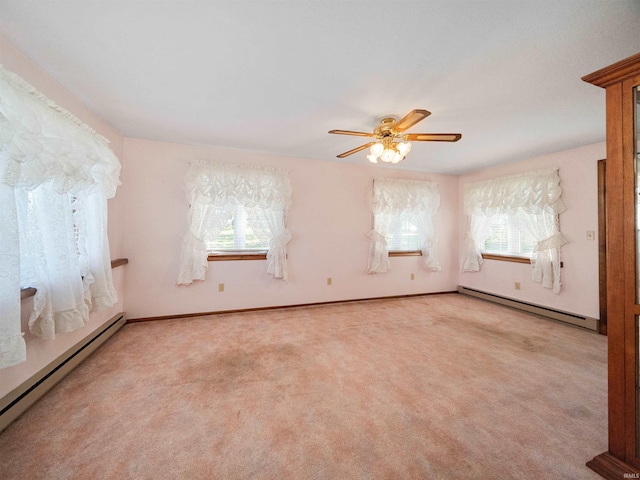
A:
(391, 144)
(404, 148)
(388, 155)
(388, 151)
(377, 149)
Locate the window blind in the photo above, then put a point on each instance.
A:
(509, 236)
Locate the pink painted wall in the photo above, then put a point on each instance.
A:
(578, 180)
(40, 352)
(329, 219)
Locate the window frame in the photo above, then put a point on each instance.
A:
(233, 254)
(236, 255)
(506, 258)
(405, 253)
(397, 253)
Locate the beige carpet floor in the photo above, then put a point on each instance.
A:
(432, 387)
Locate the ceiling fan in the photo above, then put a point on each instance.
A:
(392, 144)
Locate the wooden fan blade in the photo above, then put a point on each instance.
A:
(410, 119)
(349, 132)
(355, 150)
(432, 137)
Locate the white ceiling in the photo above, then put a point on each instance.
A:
(275, 76)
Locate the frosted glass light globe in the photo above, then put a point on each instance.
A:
(388, 155)
(373, 158)
(404, 148)
(376, 149)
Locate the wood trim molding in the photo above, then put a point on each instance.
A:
(615, 273)
(119, 261)
(612, 468)
(506, 258)
(409, 253)
(30, 291)
(223, 257)
(614, 73)
(278, 307)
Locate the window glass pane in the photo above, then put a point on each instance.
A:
(509, 236)
(406, 236)
(237, 234)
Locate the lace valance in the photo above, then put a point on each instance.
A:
(534, 192)
(45, 143)
(394, 195)
(224, 184)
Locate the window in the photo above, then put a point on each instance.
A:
(57, 175)
(403, 222)
(236, 212)
(516, 215)
(237, 236)
(509, 236)
(405, 237)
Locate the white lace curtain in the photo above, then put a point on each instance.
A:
(537, 194)
(391, 198)
(55, 176)
(213, 189)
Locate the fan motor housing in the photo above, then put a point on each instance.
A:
(385, 129)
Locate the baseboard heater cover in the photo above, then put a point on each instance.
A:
(19, 400)
(566, 317)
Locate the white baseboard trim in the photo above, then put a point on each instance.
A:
(566, 317)
(16, 402)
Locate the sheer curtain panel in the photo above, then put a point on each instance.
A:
(391, 198)
(536, 195)
(213, 189)
(55, 176)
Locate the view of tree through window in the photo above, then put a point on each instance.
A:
(237, 234)
(509, 236)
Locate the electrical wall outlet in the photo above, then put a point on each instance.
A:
(413, 276)
(591, 235)
(221, 287)
(517, 285)
(329, 281)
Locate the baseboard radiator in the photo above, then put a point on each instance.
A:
(566, 317)
(21, 398)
